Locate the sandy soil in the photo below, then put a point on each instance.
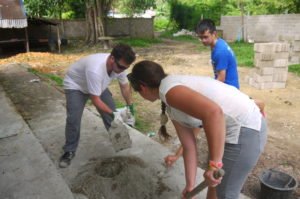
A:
(282, 151)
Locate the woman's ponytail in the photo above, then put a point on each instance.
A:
(163, 121)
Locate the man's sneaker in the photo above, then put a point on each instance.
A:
(65, 159)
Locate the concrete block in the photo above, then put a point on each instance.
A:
(288, 38)
(294, 60)
(265, 85)
(264, 47)
(262, 78)
(264, 70)
(282, 55)
(119, 136)
(295, 54)
(264, 56)
(296, 48)
(280, 62)
(297, 37)
(296, 43)
(262, 64)
(283, 47)
(280, 77)
(279, 84)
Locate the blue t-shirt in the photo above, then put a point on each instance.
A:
(223, 58)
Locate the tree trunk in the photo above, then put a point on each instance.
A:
(95, 12)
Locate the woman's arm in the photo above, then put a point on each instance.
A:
(171, 159)
(188, 142)
(201, 107)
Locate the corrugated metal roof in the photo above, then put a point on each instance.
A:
(12, 14)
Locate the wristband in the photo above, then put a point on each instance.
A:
(215, 165)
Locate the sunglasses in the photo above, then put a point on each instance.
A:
(121, 67)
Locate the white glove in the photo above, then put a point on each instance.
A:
(117, 119)
(130, 120)
(126, 116)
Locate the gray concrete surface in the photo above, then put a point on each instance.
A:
(26, 170)
(139, 172)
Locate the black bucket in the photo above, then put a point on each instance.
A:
(276, 185)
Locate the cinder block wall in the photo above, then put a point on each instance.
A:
(260, 28)
(131, 27)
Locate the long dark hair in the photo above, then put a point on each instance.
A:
(163, 134)
(150, 74)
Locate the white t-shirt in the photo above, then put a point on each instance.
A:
(239, 110)
(89, 75)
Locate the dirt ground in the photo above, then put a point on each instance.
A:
(282, 151)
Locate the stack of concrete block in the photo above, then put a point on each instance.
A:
(294, 53)
(271, 65)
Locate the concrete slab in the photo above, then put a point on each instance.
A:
(26, 170)
(97, 171)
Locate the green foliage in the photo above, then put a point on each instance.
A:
(244, 53)
(161, 23)
(187, 13)
(295, 69)
(131, 7)
(55, 8)
(139, 42)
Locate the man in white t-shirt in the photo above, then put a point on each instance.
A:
(89, 78)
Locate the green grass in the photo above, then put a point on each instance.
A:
(139, 42)
(295, 69)
(58, 80)
(140, 124)
(244, 53)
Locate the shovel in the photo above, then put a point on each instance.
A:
(217, 174)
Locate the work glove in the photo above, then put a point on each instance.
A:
(117, 119)
(127, 116)
(131, 108)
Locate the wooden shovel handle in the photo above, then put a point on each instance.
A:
(217, 174)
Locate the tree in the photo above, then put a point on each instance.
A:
(131, 7)
(96, 10)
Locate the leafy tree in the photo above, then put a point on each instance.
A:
(131, 7)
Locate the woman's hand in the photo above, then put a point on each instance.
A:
(210, 179)
(170, 160)
(185, 191)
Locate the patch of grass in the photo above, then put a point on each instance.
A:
(58, 80)
(140, 124)
(295, 69)
(244, 53)
(139, 42)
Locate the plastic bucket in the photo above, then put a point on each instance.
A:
(276, 185)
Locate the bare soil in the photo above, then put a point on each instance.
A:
(282, 151)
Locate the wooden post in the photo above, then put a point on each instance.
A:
(58, 38)
(26, 40)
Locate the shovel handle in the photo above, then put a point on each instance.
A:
(217, 174)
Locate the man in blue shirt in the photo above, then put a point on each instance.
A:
(223, 58)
